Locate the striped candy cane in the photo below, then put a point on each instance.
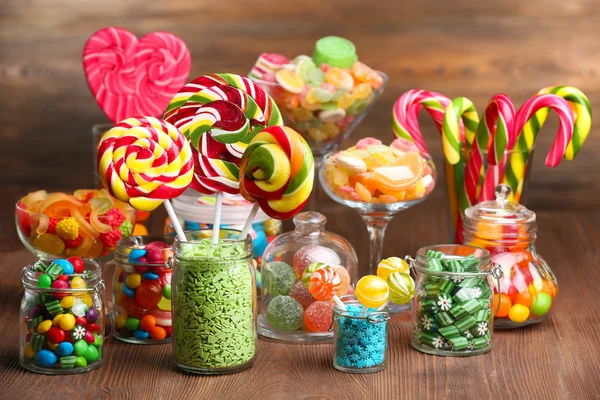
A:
(496, 134)
(459, 109)
(526, 117)
(579, 103)
(405, 123)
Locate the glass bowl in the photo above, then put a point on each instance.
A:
(323, 125)
(86, 223)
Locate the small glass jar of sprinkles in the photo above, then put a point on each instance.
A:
(453, 310)
(214, 310)
(360, 342)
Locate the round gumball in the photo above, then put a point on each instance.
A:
(66, 265)
(77, 264)
(80, 321)
(147, 323)
(148, 294)
(503, 304)
(64, 349)
(80, 362)
(91, 354)
(524, 298)
(89, 337)
(80, 347)
(45, 358)
(132, 324)
(133, 280)
(541, 304)
(167, 291)
(141, 334)
(67, 322)
(56, 335)
(44, 281)
(158, 333)
(518, 313)
(92, 327)
(91, 315)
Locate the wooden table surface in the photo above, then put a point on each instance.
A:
(461, 47)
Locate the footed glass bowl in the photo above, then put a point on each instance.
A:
(323, 125)
(87, 223)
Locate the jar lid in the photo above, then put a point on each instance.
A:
(500, 211)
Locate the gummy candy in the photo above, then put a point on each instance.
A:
(278, 278)
(285, 313)
(301, 294)
(318, 316)
(313, 253)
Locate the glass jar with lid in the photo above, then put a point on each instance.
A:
(509, 231)
(288, 309)
(142, 289)
(62, 316)
(214, 303)
(453, 310)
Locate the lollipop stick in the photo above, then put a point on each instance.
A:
(175, 221)
(217, 220)
(339, 302)
(249, 221)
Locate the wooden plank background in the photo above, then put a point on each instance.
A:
(460, 47)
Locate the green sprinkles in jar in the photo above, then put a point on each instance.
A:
(213, 317)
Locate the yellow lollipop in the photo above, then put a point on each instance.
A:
(372, 291)
(390, 265)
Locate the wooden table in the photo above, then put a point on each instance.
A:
(457, 48)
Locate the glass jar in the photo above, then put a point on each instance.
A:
(288, 310)
(214, 303)
(452, 311)
(509, 231)
(360, 339)
(62, 318)
(197, 212)
(142, 290)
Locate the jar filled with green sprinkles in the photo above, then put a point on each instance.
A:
(214, 303)
(453, 310)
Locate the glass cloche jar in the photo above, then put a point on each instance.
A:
(292, 307)
(508, 231)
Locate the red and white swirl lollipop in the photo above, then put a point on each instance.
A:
(130, 77)
(145, 161)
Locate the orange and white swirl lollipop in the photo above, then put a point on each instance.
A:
(145, 161)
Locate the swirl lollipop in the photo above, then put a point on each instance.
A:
(324, 285)
(145, 161)
(218, 114)
(277, 172)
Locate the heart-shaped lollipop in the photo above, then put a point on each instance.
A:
(131, 77)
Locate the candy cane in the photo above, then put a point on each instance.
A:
(526, 117)
(495, 134)
(405, 123)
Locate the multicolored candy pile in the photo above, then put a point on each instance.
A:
(64, 329)
(322, 95)
(87, 223)
(302, 294)
(142, 295)
(371, 172)
(453, 313)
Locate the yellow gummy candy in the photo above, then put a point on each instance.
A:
(164, 304)
(67, 302)
(77, 283)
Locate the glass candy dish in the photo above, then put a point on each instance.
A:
(87, 223)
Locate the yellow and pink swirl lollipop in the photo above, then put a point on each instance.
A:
(145, 161)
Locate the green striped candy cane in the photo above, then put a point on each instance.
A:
(459, 109)
(517, 165)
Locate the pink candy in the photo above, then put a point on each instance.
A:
(404, 145)
(362, 144)
(130, 78)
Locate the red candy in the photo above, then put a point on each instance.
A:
(73, 244)
(80, 321)
(110, 239)
(60, 284)
(132, 308)
(89, 337)
(318, 316)
(23, 219)
(169, 331)
(92, 327)
(56, 335)
(62, 278)
(114, 217)
(52, 226)
(77, 263)
(148, 294)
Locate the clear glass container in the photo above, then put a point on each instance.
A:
(142, 290)
(360, 338)
(453, 310)
(288, 310)
(214, 303)
(62, 318)
(509, 231)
